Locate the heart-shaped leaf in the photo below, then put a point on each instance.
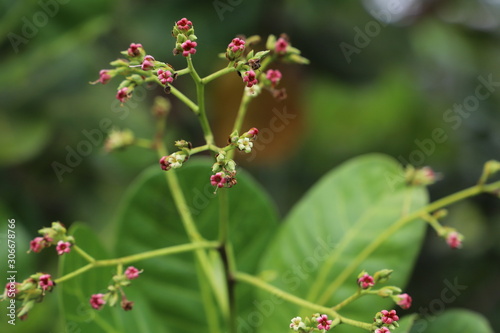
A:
(148, 220)
(456, 321)
(74, 294)
(347, 210)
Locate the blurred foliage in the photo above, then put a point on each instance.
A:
(395, 90)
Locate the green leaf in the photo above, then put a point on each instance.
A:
(324, 234)
(148, 220)
(456, 321)
(406, 323)
(74, 294)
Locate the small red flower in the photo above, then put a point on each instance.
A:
(134, 50)
(97, 301)
(11, 289)
(281, 46)
(63, 247)
(274, 76)
(388, 317)
(236, 45)
(45, 281)
(165, 76)
(218, 179)
(382, 330)
(184, 24)
(38, 244)
(164, 163)
(122, 95)
(454, 240)
(188, 47)
(148, 63)
(366, 281)
(132, 273)
(250, 78)
(104, 76)
(323, 322)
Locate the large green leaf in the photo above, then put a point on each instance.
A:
(456, 321)
(335, 221)
(148, 220)
(75, 293)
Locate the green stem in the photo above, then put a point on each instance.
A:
(183, 71)
(183, 98)
(433, 222)
(211, 314)
(377, 242)
(143, 143)
(75, 273)
(84, 254)
(158, 253)
(193, 233)
(243, 277)
(137, 257)
(240, 116)
(217, 74)
(348, 300)
(200, 95)
(223, 216)
(200, 149)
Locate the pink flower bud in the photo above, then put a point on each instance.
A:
(164, 163)
(236, 45)
(104, 76)
(281, 46)
(134, 50)
(250, 78)
(404, 301)
(132, 273)
(38, 244)
(11, 289)
(366, 281)
(184, 24)
(148, 63)
(252, 133)
(188, 47)
(122, 95)
(274, 76)
(63, 247)
(454, 240)
(97, 301)
(382, 330)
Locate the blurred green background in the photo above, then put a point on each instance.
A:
(383, 76)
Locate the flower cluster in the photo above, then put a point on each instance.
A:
(55, 235)
(245, 141)
(185, 38)
(176, 159)
(282, 48)
(119, 139)
(30, 291)
(318, 322)
(421, 177)
(224, 170)
(115, 291)
(235, 49)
